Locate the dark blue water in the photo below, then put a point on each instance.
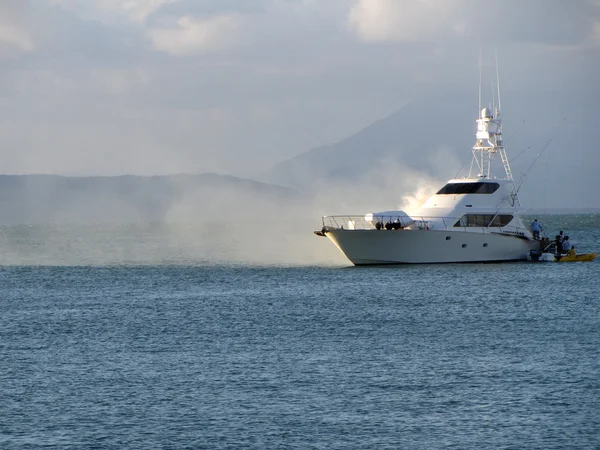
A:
(236, 355)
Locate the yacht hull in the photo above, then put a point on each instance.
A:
(365, 247)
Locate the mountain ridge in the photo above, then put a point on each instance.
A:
(43, 198)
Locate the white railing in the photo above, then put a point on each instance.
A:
(427, 223)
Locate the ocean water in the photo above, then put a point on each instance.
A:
(143, 336)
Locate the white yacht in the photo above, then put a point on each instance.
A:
(471, 219)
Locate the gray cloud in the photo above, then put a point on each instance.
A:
(540, 21)
(15, 32)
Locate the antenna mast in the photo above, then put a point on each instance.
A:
(489, 134)
(498, 80)
(479, 109)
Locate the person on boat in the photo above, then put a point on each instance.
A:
(566, 245)
(536, 229)
(560, 237)
(572, 252)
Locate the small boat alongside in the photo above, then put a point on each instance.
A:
(553, 257)
(584, 257)
(551, 253)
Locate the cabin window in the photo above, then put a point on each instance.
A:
(484, 220)
(468, 188)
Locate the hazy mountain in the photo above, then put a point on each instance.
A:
(58, 199)
(429, 139)
(407, 138)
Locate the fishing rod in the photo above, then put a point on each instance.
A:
(514, 197)
(522, 153)
(538, 156)
(514, 133)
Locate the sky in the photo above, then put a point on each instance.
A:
(108, 87)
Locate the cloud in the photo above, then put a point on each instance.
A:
(110, 11)
(42, 83)
(596, 33)
(189, 35)
(16, 38)
(139, 10)
(15, 34)
(120, 81)
(403, 20)
(551, 22)
(53, 86)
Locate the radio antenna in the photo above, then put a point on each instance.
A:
(498, 80)
(479, 109)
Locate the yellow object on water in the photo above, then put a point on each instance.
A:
(575, 258)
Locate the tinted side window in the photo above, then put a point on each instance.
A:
(487, 188)
(468, 188)
(484, 220)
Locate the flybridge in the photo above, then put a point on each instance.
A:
(489, 143)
